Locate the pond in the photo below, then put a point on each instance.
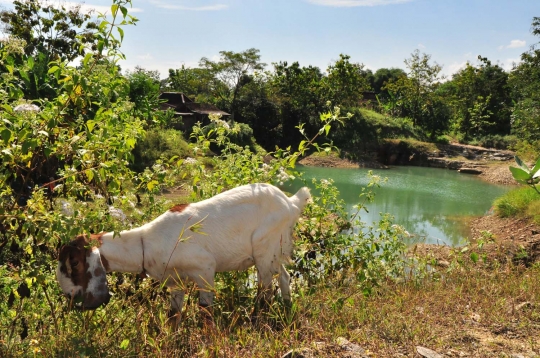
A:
(432, 204)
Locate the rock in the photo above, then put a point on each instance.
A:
(428, 353)
(299, 353)
(353, 350)
(470, 171)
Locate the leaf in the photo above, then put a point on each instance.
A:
(124, 11)
(87, 58)
(474, 257)
(121, 32)
(114, 9)
(521, 164)
(536, 168)
(30, 62)
(124, 344)
(90, 124)
(519, 174)
(89, 174)
(6, 135)
(53, 69)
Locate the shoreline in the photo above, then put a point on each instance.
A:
(501, 238)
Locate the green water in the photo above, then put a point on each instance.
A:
(432, 204)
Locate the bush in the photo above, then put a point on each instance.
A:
(498, 141)
(159, 143)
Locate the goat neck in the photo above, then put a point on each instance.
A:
(123, 252)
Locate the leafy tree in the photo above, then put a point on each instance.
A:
(417, 94)
(481, 99)
(230, 70)
(346, 81)
(257, 107)
(57, 31)
(298, 92)
(383, 76)
(197, 83)
(525, 85)
(144, 90)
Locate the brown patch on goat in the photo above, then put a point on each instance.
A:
(75, 257)
(99, 272)
(178, 208)
(74, 254)
(97, 237)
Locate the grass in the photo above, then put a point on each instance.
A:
(465, 309)
(522, 202)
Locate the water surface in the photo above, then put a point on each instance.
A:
(432, 204)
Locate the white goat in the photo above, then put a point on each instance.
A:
(246, 226)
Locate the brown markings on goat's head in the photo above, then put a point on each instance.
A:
(81, 273)
(178, 208)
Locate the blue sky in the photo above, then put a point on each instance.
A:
(377, 33)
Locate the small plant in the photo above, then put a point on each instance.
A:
(524, 175)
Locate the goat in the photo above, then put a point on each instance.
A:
(232, 231)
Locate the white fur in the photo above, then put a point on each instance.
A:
(246, 226)
(65, 282)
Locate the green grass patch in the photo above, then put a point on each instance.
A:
(524, 202)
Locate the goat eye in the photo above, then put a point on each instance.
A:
(74, 263)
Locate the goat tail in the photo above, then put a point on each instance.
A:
(301, 198)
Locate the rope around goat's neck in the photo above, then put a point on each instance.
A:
(143, 272)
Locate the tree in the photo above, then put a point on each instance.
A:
(383, 76)
(230, 69)
(481, 99)
(346, 81)
(298, 93)
(144, 90)
(525, 85)
(196, 83)
(417, 94)
(55, 30)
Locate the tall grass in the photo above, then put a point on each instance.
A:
(522, 202)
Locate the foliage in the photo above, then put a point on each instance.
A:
(417, 95)
(525, 83)
(159, 144)
(230, 70)
(481, 99)
(144, 90)
(345, 82)
(57, 31)
(521, 202)
(526, 175)
(197, 83)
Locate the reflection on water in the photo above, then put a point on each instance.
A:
(430, 203)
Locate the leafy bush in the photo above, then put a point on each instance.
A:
(496, 141)
(158, 144)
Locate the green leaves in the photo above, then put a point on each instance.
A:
(525, 175)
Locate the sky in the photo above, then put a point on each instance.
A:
(376, 33)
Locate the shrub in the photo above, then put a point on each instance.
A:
(159, 143)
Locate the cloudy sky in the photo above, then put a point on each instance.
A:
(377, 33)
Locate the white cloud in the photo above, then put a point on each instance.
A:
(421, 46)
(172, 6)
(513, 44)
(453, 68)
(85, 7)
(354, 3)
(517, 43)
